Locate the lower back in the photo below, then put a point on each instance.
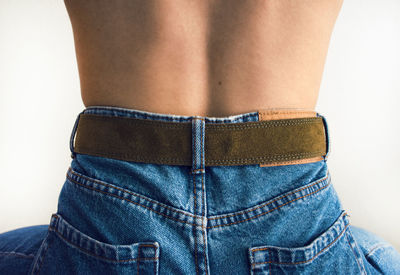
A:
(208, 58)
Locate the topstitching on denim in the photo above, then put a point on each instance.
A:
(123, 112)
(280, 255)
(357, 254)
(90, 246)
(16, 254)
(182, 216)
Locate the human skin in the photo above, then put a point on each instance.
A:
(202, 57)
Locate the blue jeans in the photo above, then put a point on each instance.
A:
(125, 217)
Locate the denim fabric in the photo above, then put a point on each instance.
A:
(121, 217)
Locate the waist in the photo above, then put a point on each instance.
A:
(263, 137)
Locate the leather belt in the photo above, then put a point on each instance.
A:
(162, 142)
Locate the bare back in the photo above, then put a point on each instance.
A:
(202, 57)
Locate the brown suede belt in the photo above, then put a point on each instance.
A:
(270, 142)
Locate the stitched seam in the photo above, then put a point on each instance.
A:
(262, 124)
(129, 192)
(286, 112)
(278, 155)
(155, 263)
(297, 161)
(138, 262)
(155, 253)
(44, 253)
(203, 200)
(272, 116)
(208, 227)
(254, 125)
(163, 124)
(259, 125)
(93, 111)
(269, 262)
(194, 191)
(98, 256)
(269, 253)
(195, 229)
(17, 254)
(274, 157)
(378, 246)
(265, 248)
(201, 147)
(354, 253)
(300, 161)
(268, 203)
(269, 210)
(134, 156)
(252, 259)
(242, 212)
(213, 126)
(113, 195)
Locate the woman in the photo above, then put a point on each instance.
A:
(199, 150)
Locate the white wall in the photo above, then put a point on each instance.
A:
(40, 99)
(360, 98)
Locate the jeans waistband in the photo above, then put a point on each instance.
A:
(198, 141)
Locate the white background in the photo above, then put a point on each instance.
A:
(40, 99)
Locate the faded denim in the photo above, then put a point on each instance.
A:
(121, 217)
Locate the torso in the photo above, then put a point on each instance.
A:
(202, 57)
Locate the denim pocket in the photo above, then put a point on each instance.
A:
(332, 252)
(66, 250)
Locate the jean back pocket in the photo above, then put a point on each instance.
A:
(331, 252)
(66, 250)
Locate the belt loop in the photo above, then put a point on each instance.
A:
(71, 142)
(328, 145)
(198, 137)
